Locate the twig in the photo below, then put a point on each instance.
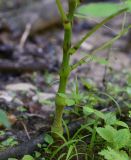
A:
(25, 35)
(26, 131)
(35, 115)
(61, 10)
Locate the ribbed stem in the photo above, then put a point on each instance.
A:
(64, 73)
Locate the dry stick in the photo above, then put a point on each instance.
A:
(26, 130)
(9, 66)
(25, 35)
(35, 115)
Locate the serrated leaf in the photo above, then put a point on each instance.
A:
(4, 119)
(100, 9)
(108, 133)
(110, 118)
(121, 123)
(111, 154)
(121, 138)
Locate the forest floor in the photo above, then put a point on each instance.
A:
(28, 88)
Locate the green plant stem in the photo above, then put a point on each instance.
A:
(77, 46)
(72, 7)
(91, 146)
(60, 101)
(103, 46)
(64, 73)
(61, 10)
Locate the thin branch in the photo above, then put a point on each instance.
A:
(61, 10)
(77, 46)
(101, 47)
(25, 35)
(26, 130)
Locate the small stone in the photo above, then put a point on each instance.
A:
(87, 46)
(43, 96)
(20, 87)
(6, 96)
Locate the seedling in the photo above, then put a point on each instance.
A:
(116, 140)
(69, 50)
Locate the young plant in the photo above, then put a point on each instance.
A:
(69, 50)
(117, 139)
(111, 154)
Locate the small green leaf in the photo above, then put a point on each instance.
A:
(4, 119)
(62, 95)
(9, 142)
(37, 154)
(121, 123)
(101, 61)
(97, 59)
(110, 118)
(48, 139)
(27, 157)
(2, 133)
(100, 9)
(108, 133)
(121, 138)
(99, 114)
(88, 84)
(88, 110)
(70, 102)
